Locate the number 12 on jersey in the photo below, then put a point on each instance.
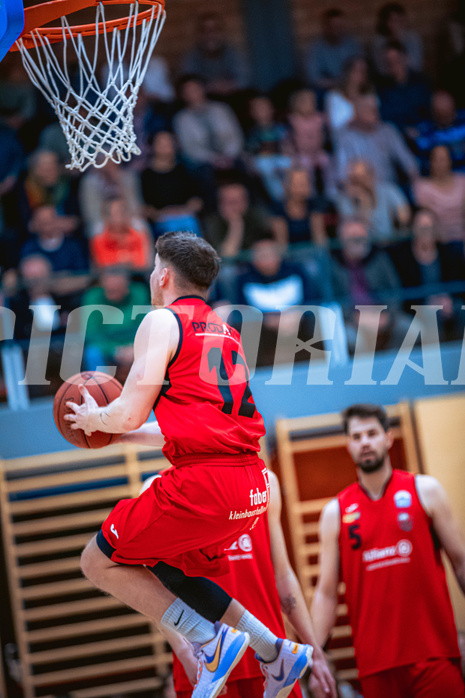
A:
(224, 374)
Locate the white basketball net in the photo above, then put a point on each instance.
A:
(97, 120)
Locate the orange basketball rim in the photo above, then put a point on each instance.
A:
(36, 16)
(95, 108)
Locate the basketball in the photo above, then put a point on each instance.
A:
(103, 388)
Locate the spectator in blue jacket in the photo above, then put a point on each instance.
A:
(404, 93)
(446, 127)
(67, 258)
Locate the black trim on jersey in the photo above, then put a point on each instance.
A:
(167, 386)
(164, 389)
(386, 485)
(181, 336)
(182, 298)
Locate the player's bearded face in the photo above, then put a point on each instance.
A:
(368, 444)
(372, 462)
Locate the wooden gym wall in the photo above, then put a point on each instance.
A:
(72, 639)
(440, 423)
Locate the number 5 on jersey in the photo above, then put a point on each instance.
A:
(355, 536)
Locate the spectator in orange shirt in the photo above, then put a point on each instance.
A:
(123, 241)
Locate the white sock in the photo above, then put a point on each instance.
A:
(184, 620)
(261, 638)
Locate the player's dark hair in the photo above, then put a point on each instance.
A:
(365, 411)
(194, 260)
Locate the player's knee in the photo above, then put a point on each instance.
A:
(92, 564)
(86, 563)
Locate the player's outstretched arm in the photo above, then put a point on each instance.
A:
(436, 503)
(291, 596)
(325, 598)
(148, 434)
(155, 344)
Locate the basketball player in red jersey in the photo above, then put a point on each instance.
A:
(382, 536)
(262, 578)
(190, 368)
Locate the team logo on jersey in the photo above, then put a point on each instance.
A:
(245, 543)
(241, 549)
(403, 499)
(351, 508)
(258, 500)
(351, 517)
(404, 548)
(114, 531)
(405, 521)
(388, 556)
(258, 497)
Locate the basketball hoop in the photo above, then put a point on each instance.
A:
(97, 119)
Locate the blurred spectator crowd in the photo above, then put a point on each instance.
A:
(343, 185)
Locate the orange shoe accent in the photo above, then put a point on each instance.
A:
(213, 664)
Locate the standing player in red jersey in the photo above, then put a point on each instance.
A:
(383, 537)
(261, 578)
(189, 367)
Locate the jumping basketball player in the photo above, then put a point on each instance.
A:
(383, 536)
(189, 366)
(261, 578)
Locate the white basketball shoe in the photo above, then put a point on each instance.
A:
(288, 667)
(217, 659)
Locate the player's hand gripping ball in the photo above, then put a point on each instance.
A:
(91, 389)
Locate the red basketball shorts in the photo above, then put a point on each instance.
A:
(430, 679)
(189, 515)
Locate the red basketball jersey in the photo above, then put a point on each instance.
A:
(251, 581)
(396, 588)
(205, 405)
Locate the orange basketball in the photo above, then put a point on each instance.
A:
(103, 388)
